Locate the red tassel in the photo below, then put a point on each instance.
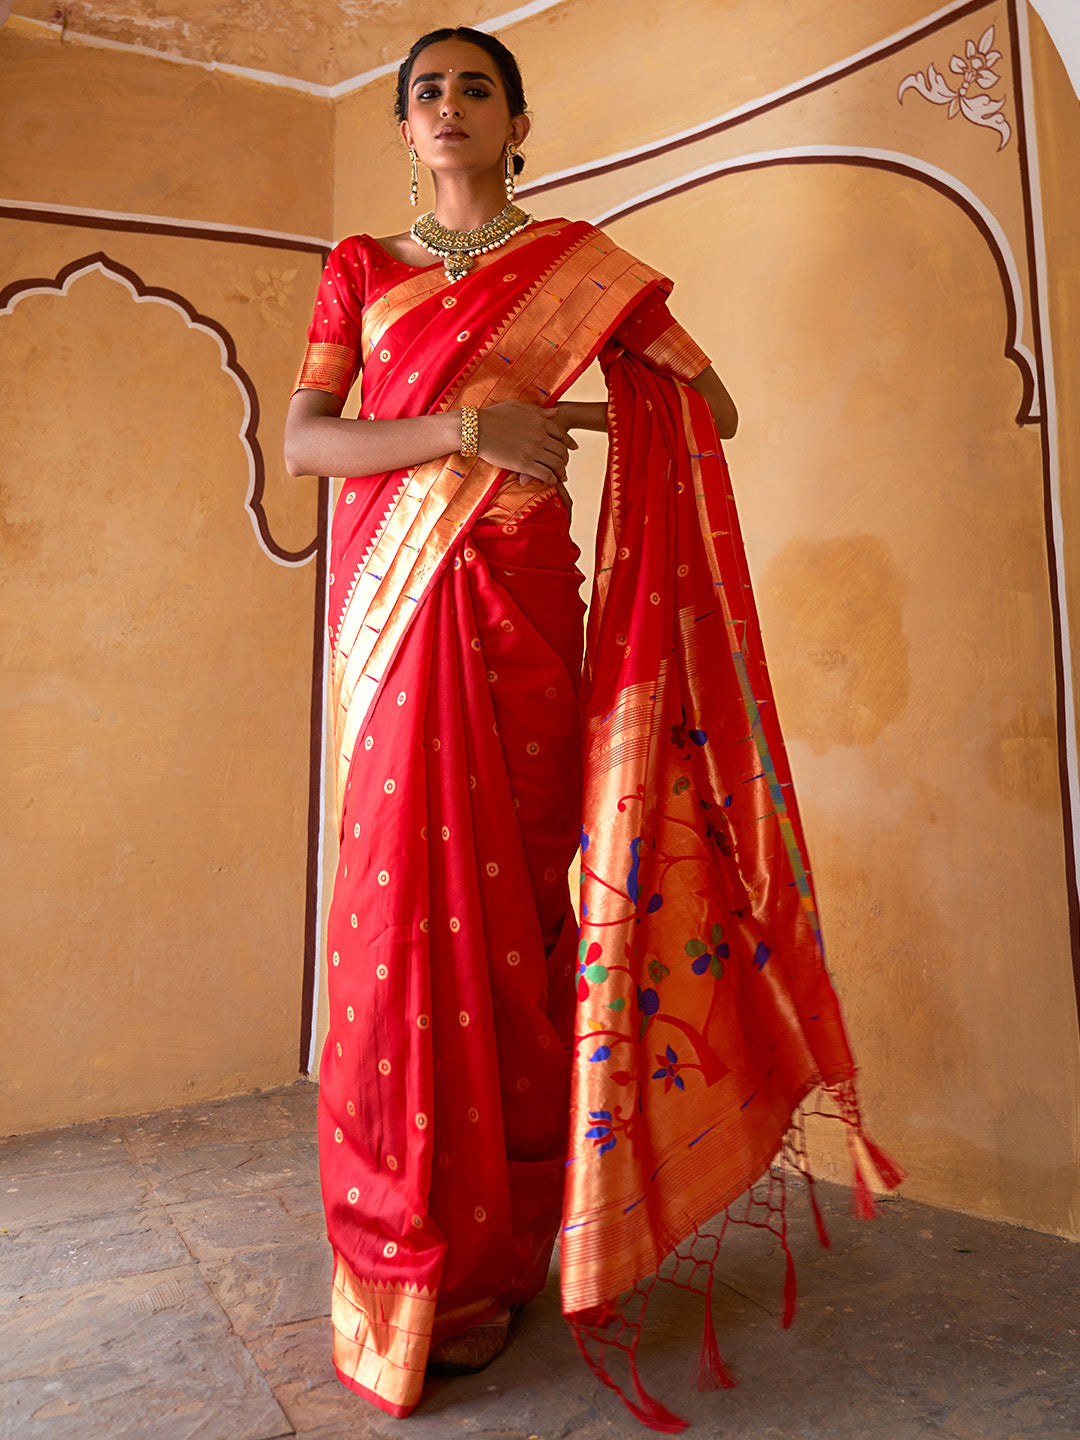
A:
(712, 1373)
(890, 1172)
(862, 1198)
(650, 1412)
(790, 1291)
(819, 1219)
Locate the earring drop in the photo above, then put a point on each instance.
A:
(510, 173)
(414, 187)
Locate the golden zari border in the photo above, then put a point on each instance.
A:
(611, 1242)
(713, 527)
(328, 367)
(678, 353)
(400, 299)
(382, 1333)
(624, 735)
(513, 501)
(383, 313)
(607, 1247)
(540, 348)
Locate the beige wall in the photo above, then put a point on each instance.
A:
(893, 508)
(157, 659)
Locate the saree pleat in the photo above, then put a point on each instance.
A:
(449, 1011)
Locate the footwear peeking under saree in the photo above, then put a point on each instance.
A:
(455, 629)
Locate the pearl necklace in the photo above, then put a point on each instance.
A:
(458, 248)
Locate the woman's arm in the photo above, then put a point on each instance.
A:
(319, 442)
(583, 414)
(514, 435)
(592, 415)
(709, 385)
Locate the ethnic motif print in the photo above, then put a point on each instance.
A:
(705, 1013)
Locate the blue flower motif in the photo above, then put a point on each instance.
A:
(602, 1135)
(633, 888)
(668, 1072)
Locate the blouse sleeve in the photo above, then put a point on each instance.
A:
(332, 359)
(653, 334)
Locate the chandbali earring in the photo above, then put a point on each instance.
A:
(510, 172)
(414, 187)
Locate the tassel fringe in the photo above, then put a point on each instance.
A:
(650, 1411)
(617, 1325)
(790, 1289)
(712, 1373)
(889, 1172)
(862, 1197)
(647, 1409)
(815, 1210)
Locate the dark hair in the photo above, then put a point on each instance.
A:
(504, 60)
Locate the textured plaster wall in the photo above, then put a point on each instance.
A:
(111, 131)
(157, 661)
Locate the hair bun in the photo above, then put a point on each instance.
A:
(519, 162)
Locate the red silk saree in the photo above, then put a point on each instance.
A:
(458, 981)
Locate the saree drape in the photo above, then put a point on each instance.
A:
(456, 633)
(705, 1014)
(696, 1002)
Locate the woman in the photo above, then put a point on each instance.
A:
(455, 624)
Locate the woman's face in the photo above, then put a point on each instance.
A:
(457, 117)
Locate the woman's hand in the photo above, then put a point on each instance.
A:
(526, 439)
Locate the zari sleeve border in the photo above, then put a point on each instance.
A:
(328, 367)
(677, 353)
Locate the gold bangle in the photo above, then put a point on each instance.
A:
(470, 431)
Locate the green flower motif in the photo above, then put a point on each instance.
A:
(590, 971)
(709, 957)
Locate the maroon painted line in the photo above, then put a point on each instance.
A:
(312, 938)
(1061, 660)
(157, 292)
(1024, 415)
(159, 227)
(665, 147)
(317, 547)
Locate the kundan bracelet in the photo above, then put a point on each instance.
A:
(470, 431)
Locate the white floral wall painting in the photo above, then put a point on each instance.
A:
(975, 75)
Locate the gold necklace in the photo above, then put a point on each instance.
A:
(458, 248)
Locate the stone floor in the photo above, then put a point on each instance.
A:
(165, 1278)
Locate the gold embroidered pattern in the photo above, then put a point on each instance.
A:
(542, 348)
(332, 368)
(513, 501)
(400, 299)
(382, 1331)
(677, 353)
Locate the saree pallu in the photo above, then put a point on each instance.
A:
(456, 655)
(706, 1017)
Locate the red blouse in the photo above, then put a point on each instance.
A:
(359, 270)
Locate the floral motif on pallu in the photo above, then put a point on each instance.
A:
(705, 1013)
